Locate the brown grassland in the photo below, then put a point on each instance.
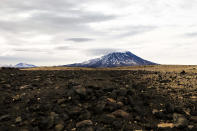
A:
(161, 68)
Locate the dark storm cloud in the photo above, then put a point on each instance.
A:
(101, 51)
(79, 39)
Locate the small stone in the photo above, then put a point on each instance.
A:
(120, 103)
(59, 127)
(190, 126)
(85, 115)
(16, 98)
(131, 101)
(107, 118)
(86, 129)
(66, 117)
(7, 86)
(69, 98)
(183, 72)
(53, 115)
(60, 101)
(99, 107)
(75, 110)
(24, 87)
(63, 105)
(4, 117)
(137, 118)
(179, 120)
(165, 125)
(170, 108)
(117, 124)
(111, 100)
(84, 123)
(160, 115)
(73, 129)
(18, 119)
(155, 111)
(122, 91)
(24, 129)
(193, 118)
(121, 113)
(80, 90)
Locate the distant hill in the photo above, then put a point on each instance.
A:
(114, 59)
(24, 65)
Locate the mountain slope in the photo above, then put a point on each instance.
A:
(24, 65)
(114, 60)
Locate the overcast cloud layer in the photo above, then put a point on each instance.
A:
(54, 32)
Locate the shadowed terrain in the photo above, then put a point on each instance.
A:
(102, 99)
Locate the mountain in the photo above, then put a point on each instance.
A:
(114, 59)
(24, 65)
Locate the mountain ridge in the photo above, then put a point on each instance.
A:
(19, 65)
(24, 65)
(114, 59)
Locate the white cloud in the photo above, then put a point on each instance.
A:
(48, 32)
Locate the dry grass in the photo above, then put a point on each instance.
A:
(161, 68)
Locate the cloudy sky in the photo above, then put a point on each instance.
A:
(53, 32)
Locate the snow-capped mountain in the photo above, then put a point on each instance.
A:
(24, 65)
(114, 59)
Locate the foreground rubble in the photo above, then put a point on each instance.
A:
(97, 100)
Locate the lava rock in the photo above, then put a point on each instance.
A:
(18, 119)
(170, 108)
(117, 124)
(179, 120)
(193, 118)
(80, 90)
(4, 117)
(107, 118)
(122, 92)
(99, 107)
(121, 113)
(85, 115)
(59, 127)
(84, 123)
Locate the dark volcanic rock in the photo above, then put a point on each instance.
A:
(80, 90)
(121, 113)
(95, 100)
(84, 123)
(179, 120)
(169, 108)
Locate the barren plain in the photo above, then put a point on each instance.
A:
(160, 97)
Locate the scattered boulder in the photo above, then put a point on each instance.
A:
(170, 108)
(84, 123)
(59, 127)
(121, 113)
(107, 118)
(18, 119)
(193, 118)
(80, 90)
(4, 117)
(179, 120)
(165, 125)
(183, 72)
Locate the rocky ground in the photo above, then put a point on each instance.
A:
(93, 100)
